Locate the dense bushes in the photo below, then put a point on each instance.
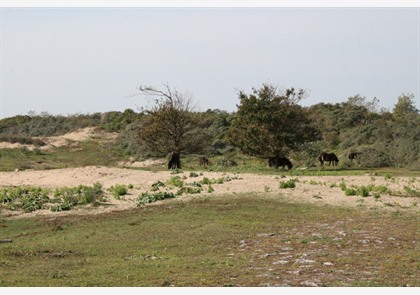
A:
(385, 140)
(46, 124)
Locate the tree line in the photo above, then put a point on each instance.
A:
(268, 122)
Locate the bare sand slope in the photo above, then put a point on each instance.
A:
(313, 189)
(69, 139)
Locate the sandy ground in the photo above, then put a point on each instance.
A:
(311, 189)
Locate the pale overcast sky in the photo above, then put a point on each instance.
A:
(86, 60)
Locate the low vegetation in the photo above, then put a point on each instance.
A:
(30, 199)
(227, 240)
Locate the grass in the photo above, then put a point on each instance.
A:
(232, 240)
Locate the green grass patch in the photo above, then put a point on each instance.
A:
(212, 241)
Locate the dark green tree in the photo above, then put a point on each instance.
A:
(270, 122)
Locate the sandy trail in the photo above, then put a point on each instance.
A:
(313, 189)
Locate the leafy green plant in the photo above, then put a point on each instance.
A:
(380, 189)
(66, 198)
(118, 190)
(26, 198)
(157, 185)
(210, 189)
(342, 185)
(189, 190)
(206, 180)
(350, 192)
(146, 197)
(175, 181)
(291, 183)
(363, 191)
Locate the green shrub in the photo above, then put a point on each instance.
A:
(82, 194)
(380, 189)
(210, 189)
(350, 192)
(206, 180)
(118, 190)
(157, 185)
(363, 191)
(175, 181)
(291, 183)
(146, 197)
(189, 190)
(342, 185)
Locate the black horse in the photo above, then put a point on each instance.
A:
(331, 158)
(279, 161)
(174, 161)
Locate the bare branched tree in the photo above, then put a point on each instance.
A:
(169, 123)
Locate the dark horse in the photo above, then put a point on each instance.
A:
(174, 161)
(279, 161)
(331, 158)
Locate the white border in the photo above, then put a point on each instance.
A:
(210, 3)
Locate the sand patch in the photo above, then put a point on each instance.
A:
(69, 139)
(319, 190)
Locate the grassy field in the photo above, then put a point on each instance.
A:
(230, 240)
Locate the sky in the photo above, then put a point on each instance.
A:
(72, 60)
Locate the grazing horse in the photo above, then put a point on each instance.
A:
(204, 161)
(279, 161)
(331, 158)
(174, 161)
